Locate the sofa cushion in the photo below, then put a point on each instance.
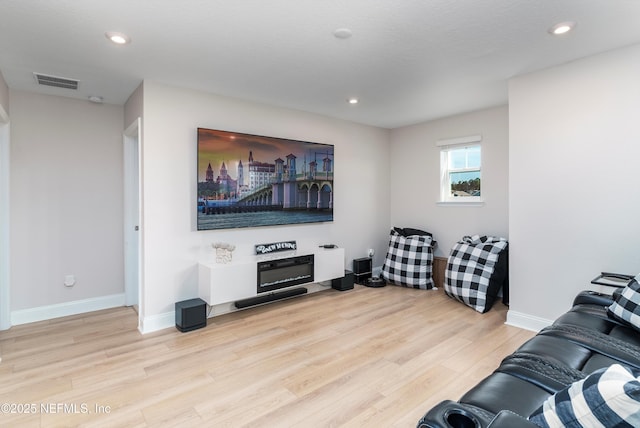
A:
(571, 354)
(409, 261)
(617, 349)
(626, 305)
(608, 397)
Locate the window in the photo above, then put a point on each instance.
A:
(460, 169)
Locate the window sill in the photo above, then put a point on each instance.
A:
(461, 204)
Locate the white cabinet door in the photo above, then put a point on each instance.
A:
(328, 264)
(227, 283)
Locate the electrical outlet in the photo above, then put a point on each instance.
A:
(69, 280)
(371, 252)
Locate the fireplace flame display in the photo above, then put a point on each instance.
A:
(281, 273)
(304, 278)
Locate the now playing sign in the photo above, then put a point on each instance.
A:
(275, 247)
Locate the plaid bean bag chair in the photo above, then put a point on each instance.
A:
(409, 261)
(476, 270)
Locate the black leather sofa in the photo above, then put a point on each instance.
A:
(578, 343)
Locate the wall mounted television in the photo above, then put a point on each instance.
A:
(249, 180)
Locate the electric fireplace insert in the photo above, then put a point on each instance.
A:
(281, 273)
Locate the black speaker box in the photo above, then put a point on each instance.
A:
(362, 270)
(191, 314)
(345, 283)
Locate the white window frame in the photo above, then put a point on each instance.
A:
(445, 186)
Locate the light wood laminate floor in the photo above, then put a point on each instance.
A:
(375, 357)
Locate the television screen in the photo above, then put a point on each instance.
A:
(249, 180)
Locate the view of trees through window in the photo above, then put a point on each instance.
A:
(470, 187)
(464, 171)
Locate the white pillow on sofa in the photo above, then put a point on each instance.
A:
(609, 397)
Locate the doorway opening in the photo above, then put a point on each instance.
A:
(132, 219)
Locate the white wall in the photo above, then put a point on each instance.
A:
(133, 108)
(574, 134)
(66, 199)
(415, 178)
(172, 246)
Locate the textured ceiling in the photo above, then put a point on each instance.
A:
(408, 60)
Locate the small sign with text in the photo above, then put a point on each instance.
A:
(275, 247)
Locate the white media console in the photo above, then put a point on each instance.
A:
(224, 283)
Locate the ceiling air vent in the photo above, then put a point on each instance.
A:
(57, 82)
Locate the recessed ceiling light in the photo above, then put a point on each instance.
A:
(562, 28)
(95, 99)
(118, 38)
(342, 33)
(352, 101)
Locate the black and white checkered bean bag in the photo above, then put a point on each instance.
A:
(476, 270)
(409, 260)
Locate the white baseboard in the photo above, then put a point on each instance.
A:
(42, 313)
(527, 322)
(157, 322)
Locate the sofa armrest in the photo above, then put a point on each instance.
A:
(450, 414)
(507, 419)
